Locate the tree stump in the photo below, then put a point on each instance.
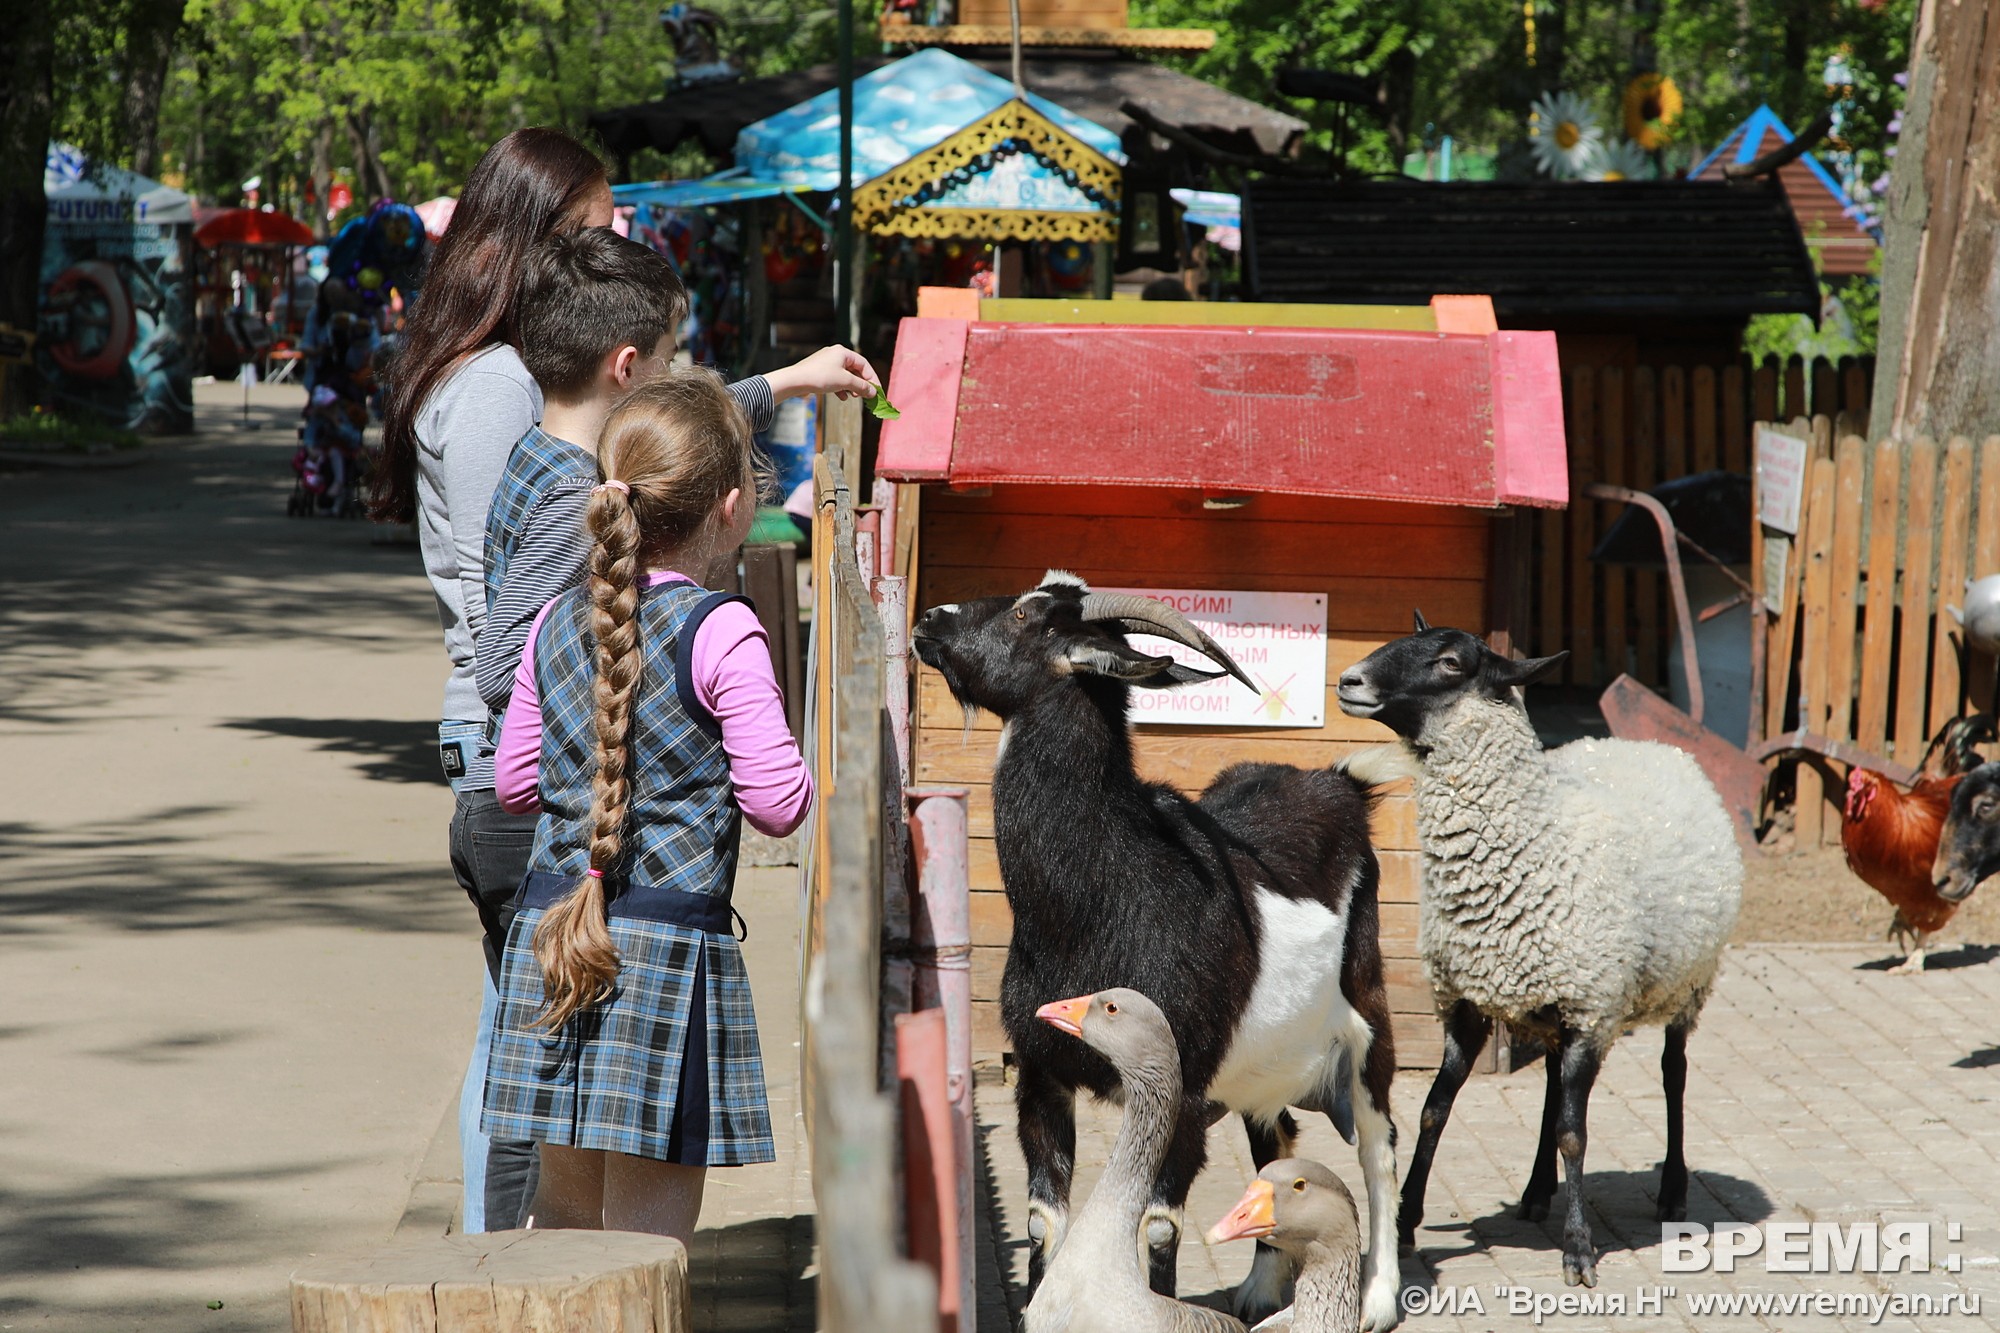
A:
(500, 1282)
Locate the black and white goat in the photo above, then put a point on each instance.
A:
(1249, 915)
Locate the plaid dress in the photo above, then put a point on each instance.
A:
(668, 1067)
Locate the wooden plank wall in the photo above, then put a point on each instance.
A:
(1638, 428)
(1376, 563)
(1889, 533)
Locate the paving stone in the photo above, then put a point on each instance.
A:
(1817, 1092)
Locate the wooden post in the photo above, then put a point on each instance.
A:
(1947, 689)
(1826, 387)
(1673, 424)
(1809, 807)
(1707, 456)
(1613, 578)
(1913, 669)
(500, 1282)
(1850, 461)
(1764, 391)
(1582, 665)
(1871, 727)
(1735, 422)
(942, 933)
(931, 1173)
(1645, 476)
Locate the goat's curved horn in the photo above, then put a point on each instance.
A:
(1147, 615)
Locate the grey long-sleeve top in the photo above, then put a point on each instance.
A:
(466, 431)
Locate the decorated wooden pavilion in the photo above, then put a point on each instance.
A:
(943, 148)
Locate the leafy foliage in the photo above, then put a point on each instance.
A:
(401, 96)
(1474, 78)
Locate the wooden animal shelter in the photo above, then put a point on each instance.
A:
(1358, 461)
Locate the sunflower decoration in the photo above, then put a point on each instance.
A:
(1565, 137)
(1627, 161)
(1652, 105)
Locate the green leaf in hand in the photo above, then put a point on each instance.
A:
(882, 407)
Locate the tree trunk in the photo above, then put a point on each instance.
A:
(27, 106)
(149, 54)
(1940, 334)
(1552, 43)
(1794, 79)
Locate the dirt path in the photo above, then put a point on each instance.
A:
(1812, 898)
(236, 981)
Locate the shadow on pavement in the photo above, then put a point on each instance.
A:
(168, 1223)
(1621, 1207)
(751, 1277)
(1965, 955)
(136, 880)
(392, 751)
(191, 549)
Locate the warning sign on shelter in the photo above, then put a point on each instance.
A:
(1278, 638)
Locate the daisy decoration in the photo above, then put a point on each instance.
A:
(1565, 138)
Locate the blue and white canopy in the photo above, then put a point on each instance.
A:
(82, 193)
(900, 110)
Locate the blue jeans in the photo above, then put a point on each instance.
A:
(474, 1146)
(489, 856)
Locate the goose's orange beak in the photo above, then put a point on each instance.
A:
(1066, 1014)
(1255, 1215)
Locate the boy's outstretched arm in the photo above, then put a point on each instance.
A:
(834, 370)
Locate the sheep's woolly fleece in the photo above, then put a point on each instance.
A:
(1600, 879)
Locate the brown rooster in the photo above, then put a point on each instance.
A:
(1891, 835)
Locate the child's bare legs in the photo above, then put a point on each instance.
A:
(657, 1197)
(584, 1189)
(571, 1191)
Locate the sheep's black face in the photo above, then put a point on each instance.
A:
(1405, 683)
(1969, 847)
(998, 653)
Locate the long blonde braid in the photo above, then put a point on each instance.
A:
(670, 451)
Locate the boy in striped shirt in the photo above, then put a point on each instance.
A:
(597, 319)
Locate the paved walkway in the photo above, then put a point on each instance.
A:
(1821, 1090)
(237, 983)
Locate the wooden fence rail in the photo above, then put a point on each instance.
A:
(1640, 427)
(865, 1284)
(1860, 646)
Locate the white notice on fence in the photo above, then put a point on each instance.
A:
(1278, 638)
(1781, 479)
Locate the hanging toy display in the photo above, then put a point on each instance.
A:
(380, 252)
(1068, 265)
(792, 246)
(706, 252)
(960, 260)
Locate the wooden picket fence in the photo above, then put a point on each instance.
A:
(1639, 427)
(1859, 646)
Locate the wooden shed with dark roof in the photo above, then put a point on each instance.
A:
(1551, 255)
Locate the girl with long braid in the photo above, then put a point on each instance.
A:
(645, 725)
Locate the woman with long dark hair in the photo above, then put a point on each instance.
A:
(459, 400)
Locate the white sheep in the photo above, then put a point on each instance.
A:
(1571, 893)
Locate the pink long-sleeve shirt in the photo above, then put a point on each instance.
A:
(733, 680)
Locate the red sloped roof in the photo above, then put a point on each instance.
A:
(1459, 419)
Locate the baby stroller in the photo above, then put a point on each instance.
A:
(331, 465)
